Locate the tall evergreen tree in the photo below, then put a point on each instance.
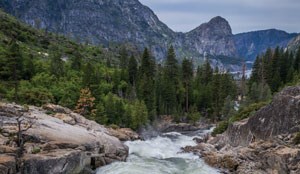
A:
(132, 70)
(57, 65)
(297, 61)
(14, 66)
(146, 84)
(88, 73)
(187, 75)
(76, 60)
(170, 82)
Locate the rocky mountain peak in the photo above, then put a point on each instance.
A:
(216, 26)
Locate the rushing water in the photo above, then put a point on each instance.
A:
(160, 155)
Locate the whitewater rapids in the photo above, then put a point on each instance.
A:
(160, 155)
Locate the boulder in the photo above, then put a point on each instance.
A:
(124, 134)
(58, 140)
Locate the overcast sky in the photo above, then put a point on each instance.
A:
(243, 15)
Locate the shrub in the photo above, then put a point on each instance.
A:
(36, 150)
(221, 127)
(247, 111)
(113, 126)
(296, 139)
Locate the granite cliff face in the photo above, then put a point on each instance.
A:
(282, 116)
(294, 43)
(216, 36)
(128, 21)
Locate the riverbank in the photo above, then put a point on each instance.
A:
(262, 144)
(53, 139)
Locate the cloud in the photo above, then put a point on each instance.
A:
(243, 15)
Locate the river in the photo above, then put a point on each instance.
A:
(161, 155)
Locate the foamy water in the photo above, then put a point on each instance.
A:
(160, 155)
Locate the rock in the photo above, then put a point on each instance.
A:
(261, 144)
(280, 117)
(7, 150)
(56, 109)
(7, 164)
(198, 140)
(124, 134)
(60, 161)
(65, 118)
(62, 142)
(180, 127)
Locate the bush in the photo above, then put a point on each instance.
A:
(221, 127)
(113, 126)
(296, 140)
(36, 150)
(247, 111)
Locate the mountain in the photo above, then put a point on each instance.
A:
(294, 43)
(250, 44)
(129, 22)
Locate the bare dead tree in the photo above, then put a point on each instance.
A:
(20, 141)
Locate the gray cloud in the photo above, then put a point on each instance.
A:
(243, 15)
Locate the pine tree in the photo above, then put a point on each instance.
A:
(256, 75)
(146, 84)
(297, 61)
(187, 75)
(88, 73)
(207, 73)
(57, 65)
(14, 66)
(29, 68)
(132, 70)
(76, 63)
(216, 83)
(170, 83)
(123, 62)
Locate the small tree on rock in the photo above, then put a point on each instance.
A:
(85, 104)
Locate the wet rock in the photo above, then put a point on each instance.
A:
(124, 134)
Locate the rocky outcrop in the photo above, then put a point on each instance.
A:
(282, 116)
(263, 143)
(58, 141)
(294, 44)
(212, 38)
(261, 157)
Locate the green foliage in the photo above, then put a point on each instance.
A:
(243, 113)
(193, 115)
(221, 127)
(296, 139)
(128, 90)
(36, 150)
(275, 68)
(247, 111)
